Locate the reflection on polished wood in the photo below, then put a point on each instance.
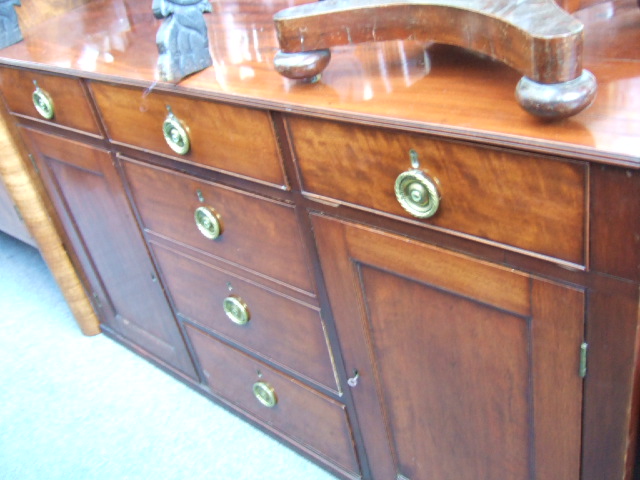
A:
(427, 90)
(532, 253)
(538, 39)
(33, 12)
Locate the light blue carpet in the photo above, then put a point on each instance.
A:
(85, 408)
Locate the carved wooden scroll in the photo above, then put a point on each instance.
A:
(182, 39)
(535, 37)
(9, 28)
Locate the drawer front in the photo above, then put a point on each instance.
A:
(270, 325)
(316, 422)
(70, 106)
(232, 139)
(525, 202)
(257, 234)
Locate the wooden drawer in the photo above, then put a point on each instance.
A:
(232, 139)
(312, 420)
(283, 331)
(521, 201)
(259, 235)
(71, 107)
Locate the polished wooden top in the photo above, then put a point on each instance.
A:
(411, 85)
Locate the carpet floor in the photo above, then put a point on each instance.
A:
(75, 407)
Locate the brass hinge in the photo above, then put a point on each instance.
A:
(583, 359)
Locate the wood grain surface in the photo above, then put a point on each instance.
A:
(11, 220)
(227, 138)
(70, 103)
(90, 201)
(28, 197)
(279, 329)
(316, 421)
(34, 12)
(521, 201)
(502, 298)
(258, 235)
(416, 85)
(439, 352)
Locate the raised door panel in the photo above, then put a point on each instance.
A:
(88, 188)
(466, 370)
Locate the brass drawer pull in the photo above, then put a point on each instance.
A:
(417, 193)
(43, 102)
(265, 394)
(176, 134)
(236, 309)
(208, 222)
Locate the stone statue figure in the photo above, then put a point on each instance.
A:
(183, 43)
(9, 28)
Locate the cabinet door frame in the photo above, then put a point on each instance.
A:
(149, 326)
(556, 332)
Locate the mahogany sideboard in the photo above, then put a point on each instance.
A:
(394, 270)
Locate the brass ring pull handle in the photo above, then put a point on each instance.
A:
(265, 394)
(43, 103)
(208, 222)
(535, 37)
(417, 193)
(176, 134)
(236, 309)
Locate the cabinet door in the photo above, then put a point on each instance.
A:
(89, 195)
(466, 370)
